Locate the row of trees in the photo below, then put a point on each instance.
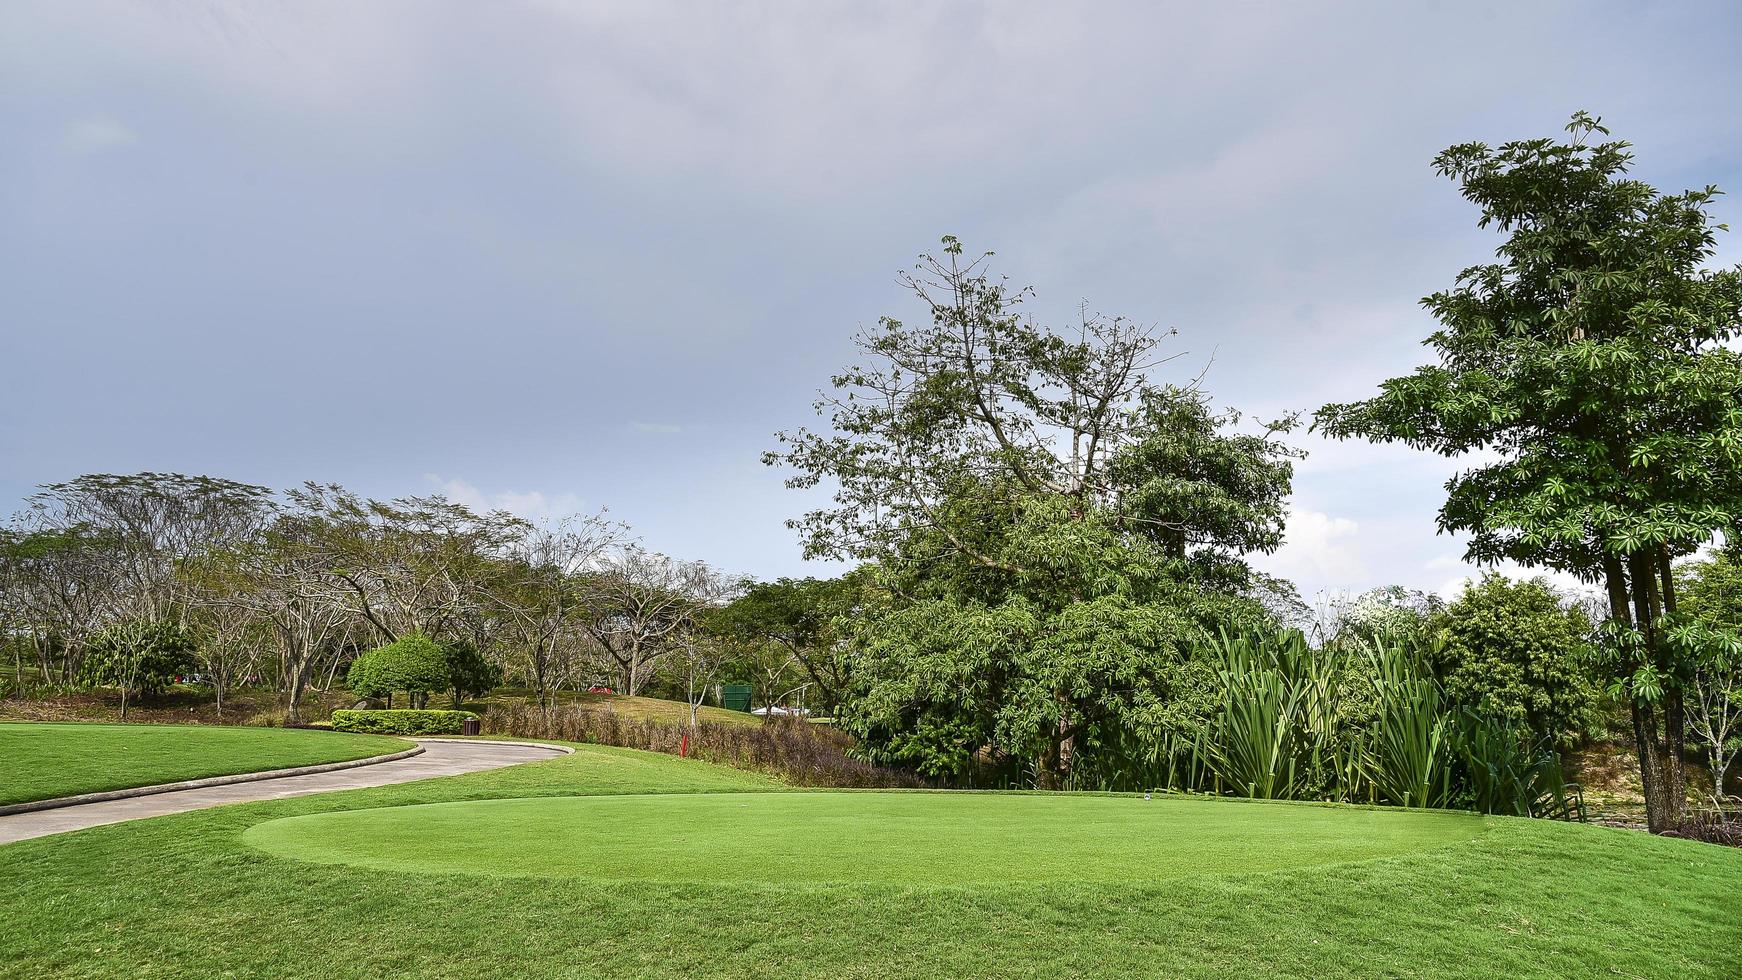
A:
(1049, 540)
(283, 589)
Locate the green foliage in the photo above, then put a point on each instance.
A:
(140, 658)
(802, 617)
(1591, 367)
(414, 664)
(400, 721)
(1709, 629)
(1406, 758)
(469, 674)
(1051, 532)
(1511, 650)
(1506, 768)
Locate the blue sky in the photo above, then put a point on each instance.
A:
(558, 256)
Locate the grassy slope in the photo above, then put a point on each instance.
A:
(48, 760)
(184, 895)
(635, 708)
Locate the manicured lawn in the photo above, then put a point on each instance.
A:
(881, 838)
(48, 760)
(190, 895)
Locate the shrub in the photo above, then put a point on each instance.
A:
(399, 721)
(139, 658)
(793, 749)
(1511, 651)
(414, 664)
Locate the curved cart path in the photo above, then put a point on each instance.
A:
(439, 758)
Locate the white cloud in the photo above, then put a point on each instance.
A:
(1318, 547)
(96, 135)
(534, 505)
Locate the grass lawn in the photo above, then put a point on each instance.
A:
(48, 760)
(851, 884)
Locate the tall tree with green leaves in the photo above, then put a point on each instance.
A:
(1587, 365)
(1050, 530)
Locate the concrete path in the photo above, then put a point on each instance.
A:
(439, 758)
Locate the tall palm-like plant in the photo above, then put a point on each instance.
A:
(1407, 759)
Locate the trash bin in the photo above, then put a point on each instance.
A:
(470, 726)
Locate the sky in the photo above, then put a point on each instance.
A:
(558, 256)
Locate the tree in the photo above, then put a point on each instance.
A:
(541, 589)
(1711, 597)
(640, 603)
(410, 565)
(413, 663)
(62, 587)
(1048, 527)
(469, 674)
(150, 522)
(800, 617)
(1589, 364)
(1511, 650)
(140, 658)
(1387, 614)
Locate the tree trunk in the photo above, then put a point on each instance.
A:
(1660, 729)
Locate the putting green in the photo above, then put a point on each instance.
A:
(896, 838)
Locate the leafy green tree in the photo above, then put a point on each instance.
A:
(140, 658)
(1512, 651)
(1049, 529)
(802, 617)
(1588, 364)
(469, 673)
(1711, 598)
(414, 663)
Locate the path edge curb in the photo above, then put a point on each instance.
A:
(206, 783)
(564, 749)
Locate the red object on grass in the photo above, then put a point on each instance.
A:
(683, 747)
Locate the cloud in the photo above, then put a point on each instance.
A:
(96, 135)
(1318, 547)
(534, 505)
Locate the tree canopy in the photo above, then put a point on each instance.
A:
(1048, 527)
(1588, 366)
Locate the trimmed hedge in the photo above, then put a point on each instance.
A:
(398, 721)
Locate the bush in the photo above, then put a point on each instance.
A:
(1510, 651)
(793, 749)
(397, 721)
(414, 664)
(140, 658)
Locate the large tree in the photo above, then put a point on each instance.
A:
(1048, 526)
(1587, 368)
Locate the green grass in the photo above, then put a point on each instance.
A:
(188, 895)
(849, 838)
(47, 760)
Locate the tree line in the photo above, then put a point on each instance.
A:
(284, 589)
